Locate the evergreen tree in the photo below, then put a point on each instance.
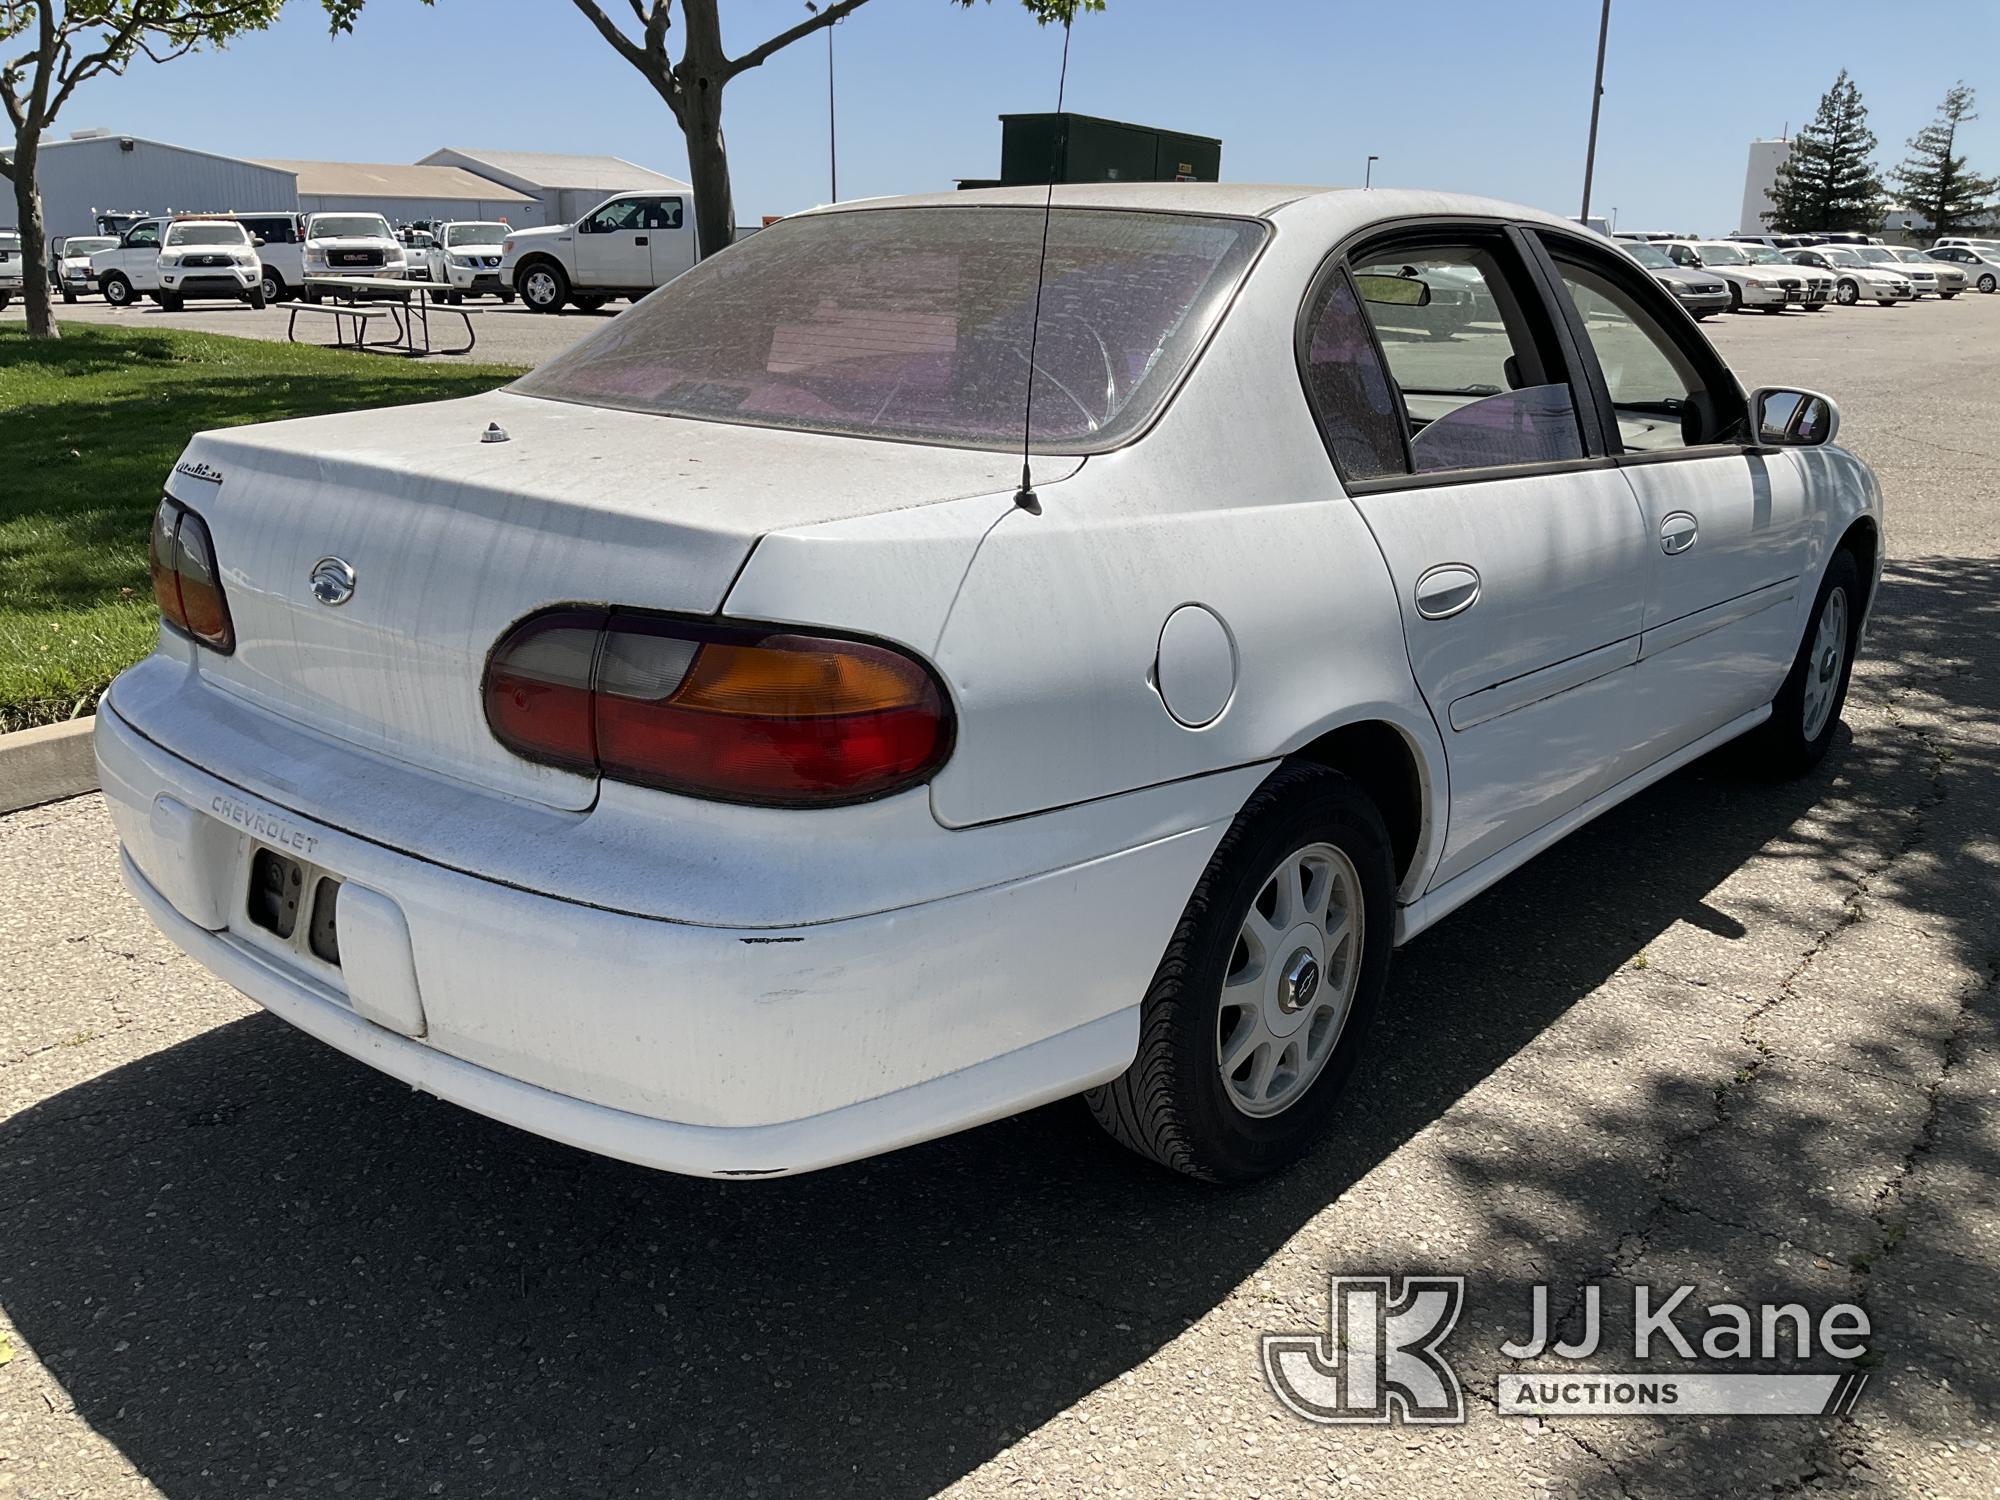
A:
(1828, 181)
(1934, 181)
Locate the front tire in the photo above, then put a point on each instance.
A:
(1847, 293)
(69, 297)
(255, 297)
(1989, 283)
(169, 302)
(543, 286)
(1258, 1008)
(1807, 710)
(272, 286)
(117, 290)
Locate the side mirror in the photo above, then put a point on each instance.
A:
(256, 243)
(1793, 419)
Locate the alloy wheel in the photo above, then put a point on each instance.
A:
(1291, 980)
(1829, 653)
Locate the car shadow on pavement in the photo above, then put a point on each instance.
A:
(258, 1267)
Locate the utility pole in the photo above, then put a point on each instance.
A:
(1596, 103)
(832, 143)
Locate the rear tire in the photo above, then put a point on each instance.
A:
(1807, 710)
(589, 303)
(272, 286)
(1176, 1103)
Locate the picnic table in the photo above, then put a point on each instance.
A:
(407, 305)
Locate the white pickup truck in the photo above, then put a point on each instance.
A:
(624, 247)
(173, 259)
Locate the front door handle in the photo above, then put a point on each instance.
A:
(1677, 533)
(639, 240)
(1446, 590)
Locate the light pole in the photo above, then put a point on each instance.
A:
(1368, 172)
(832, 145)
(1596, 101)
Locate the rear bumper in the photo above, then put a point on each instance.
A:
(699, 1049)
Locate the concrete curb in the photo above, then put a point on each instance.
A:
(46, 764)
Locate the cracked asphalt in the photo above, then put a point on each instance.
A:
(1735, 1034)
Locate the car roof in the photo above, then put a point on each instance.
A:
(1359, 206)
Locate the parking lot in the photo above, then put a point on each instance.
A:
(506, 333)
(1732, 1033)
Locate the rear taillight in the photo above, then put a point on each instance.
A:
(737, 713)
(186, 581)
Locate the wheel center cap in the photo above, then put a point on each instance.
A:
(1300, 983)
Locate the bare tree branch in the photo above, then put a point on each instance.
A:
(625, 47)
(757, 56)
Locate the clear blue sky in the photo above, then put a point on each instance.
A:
(1484, 97)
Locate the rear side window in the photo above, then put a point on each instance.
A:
(1478, 387)
(915, 323)
(1360, 416)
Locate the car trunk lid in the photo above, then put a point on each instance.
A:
(457, 519)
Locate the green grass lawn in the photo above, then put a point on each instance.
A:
(89, 429)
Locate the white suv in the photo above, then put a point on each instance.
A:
(171, 260)
(624, 247)
(467, 253)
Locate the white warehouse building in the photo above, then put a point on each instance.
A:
(99, 171)
(568, 186)
(403, 194)
(96, 170)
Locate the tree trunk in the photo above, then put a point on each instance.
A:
(34, 240)
(701, 75)
(708, 172)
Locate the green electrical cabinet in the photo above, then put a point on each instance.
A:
(1084, 148)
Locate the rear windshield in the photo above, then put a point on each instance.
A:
(914, 323)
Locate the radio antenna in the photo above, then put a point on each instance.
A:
(1026, 497)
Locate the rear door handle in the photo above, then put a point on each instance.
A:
(639, 240)
(1677, 533)
(1446, 590)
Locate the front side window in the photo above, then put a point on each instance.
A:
(626, 213)
(1656, 390)
(1476, 387)
(143, 237)
(915, 323)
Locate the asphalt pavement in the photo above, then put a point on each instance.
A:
(1733, 1033)
(503, 333)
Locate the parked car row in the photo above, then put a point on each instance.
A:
(1711, 276)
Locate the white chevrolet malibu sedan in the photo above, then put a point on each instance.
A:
(709, 751)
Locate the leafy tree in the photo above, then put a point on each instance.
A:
(50, 47)
(692, 87)
(1828, 181)
(1935, 182)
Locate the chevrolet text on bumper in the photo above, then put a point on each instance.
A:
(707, 752)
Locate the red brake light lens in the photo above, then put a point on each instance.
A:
(186, 581)
(739, 714)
